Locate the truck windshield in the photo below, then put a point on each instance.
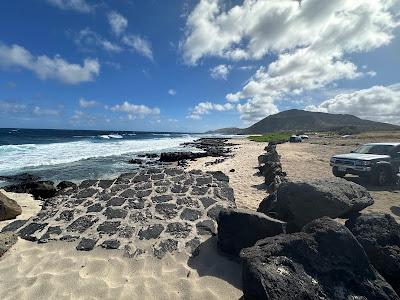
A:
(374, 149)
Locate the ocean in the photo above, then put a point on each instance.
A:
(80, 154)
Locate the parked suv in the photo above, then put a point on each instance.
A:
(380, 162)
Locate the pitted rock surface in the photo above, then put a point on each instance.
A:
(154, 210)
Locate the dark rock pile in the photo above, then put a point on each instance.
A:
(379, 234)
(324, 261)
(298, 203)
(9, 208)
(292, 249)
(270, 168)
(154, 210)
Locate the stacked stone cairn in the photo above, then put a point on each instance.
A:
(292, 247)
(270, 167)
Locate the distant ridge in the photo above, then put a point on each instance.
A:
(301, 120)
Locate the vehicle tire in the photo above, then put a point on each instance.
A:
(338, 173)
(381, 176)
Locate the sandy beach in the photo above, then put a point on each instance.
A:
(56, 270)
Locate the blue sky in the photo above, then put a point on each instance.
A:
(194, 65)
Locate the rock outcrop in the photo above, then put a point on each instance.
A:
(298, 203)
(7, 240)
(153, 210)
(270, 168)
(324, 261)
(239, 228)
(9, 208)
(379, 234)
(39, 189)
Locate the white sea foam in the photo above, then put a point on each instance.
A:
(16, 157)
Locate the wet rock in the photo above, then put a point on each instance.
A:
(136, 203)
(66, 185)
(141, 216)
(203, 180)
(206, 227)
(66, 215)
(105, 184)
(86, 244)
(86, 193)
(239, 228)
(7, 240)
(51, 232)
(213, 212)
(135, 161)
(126, 232)
(193, 246)
(27, 232)
(298, 203)
(179, 230)
(188, 202)
(115, 213)
(109, 227)
(161, 198)
(110, 244)
(199, 190)
(324, 261)
(141, 178)
(207, 201)
(116, 201)
(225, 193)
(87, 183)
(165, 246)
(97, 207)
(9, 208)
(14, 226)
(161, 189)
(150, 232)
(82, 223)
(190, 214)
(23, 177)
(179, 189)
(157, 176)
(39, 189)
(142, 194)
(168, 210)
(379, 234)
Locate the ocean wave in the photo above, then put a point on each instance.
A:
(18, 157)
(111, 136)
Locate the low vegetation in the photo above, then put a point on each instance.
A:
(271, 137)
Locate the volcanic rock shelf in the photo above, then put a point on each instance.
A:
(157, 210)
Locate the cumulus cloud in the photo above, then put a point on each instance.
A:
(88, 38)
(117, 22)
(310, 42)
(21, 110)
(135, 110)
(139, 45)
(87, 103)
(76, 5)
(172, 92)
(379, 103)
(48, 68)
(206, 107)
(220, 72)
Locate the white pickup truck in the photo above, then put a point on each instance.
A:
(380, 162)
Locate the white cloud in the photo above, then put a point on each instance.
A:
(48, 68)
(38, 111)
(380, 103)
(138, 44)
(117, 22)
(76, 5)
(310, 42)
(87, 103)
(89, 38)
(206, 107)
(172, 92)
(21, 110)
(12, 107)
(220, 72)
(135, 110)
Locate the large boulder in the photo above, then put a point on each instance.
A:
(239, 228)
(298, 203)
(379, 234)
(178, 156)
(9, 208)
(7, 239)
(324, 261)
(39, 189)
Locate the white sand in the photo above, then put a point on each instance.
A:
(57, 271)
(30, 206)
(249, 188)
